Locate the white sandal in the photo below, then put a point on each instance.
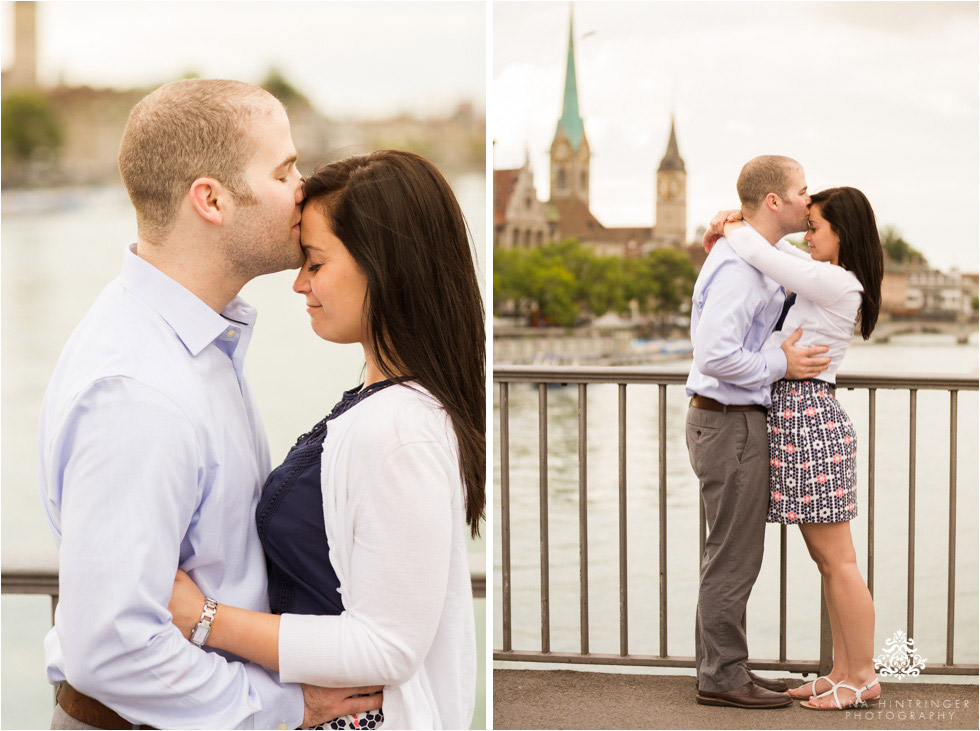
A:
(858, 701)
(813, 687)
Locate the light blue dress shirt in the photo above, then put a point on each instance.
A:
(152, 456)
(735, 308)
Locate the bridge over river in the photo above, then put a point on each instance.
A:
(960, 327)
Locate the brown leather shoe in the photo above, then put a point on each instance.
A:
(749, 695)
(777, 686)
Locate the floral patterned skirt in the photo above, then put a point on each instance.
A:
(369, 720)
(812, 455)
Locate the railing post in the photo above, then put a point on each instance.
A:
(623, 581)
(505, 512)
(871, 491)
(951, 578)
(911, 560)
(583, 520)
(782, 593)
(543, 514)
(662, 500)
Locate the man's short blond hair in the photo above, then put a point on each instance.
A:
(764, 175)
(183, 131)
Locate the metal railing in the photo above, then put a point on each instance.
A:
(623, 376)
(44, 580)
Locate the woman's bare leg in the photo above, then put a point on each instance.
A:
(839, 670)
(850, 605)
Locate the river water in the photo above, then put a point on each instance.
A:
(54, 264)
(912, 354)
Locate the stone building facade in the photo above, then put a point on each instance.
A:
(520, 219)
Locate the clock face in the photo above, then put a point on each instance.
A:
(668, 187)
(562, 150)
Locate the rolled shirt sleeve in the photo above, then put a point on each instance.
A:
(399, 569)
(131, 480)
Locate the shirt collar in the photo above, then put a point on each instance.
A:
(196, 324)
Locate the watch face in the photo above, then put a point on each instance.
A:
(200, 635)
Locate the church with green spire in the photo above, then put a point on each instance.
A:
(571, 184)
(570, 149)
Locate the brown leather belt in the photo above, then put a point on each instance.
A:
(703, 402)
(89, 711)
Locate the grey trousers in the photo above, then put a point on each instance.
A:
(730, 455)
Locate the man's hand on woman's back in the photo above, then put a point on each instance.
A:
(326, 704)
(803, 363)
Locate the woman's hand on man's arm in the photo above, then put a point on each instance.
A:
(255, 636)
(722, 223)
(248, 634)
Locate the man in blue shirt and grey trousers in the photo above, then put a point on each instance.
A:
(734, 311)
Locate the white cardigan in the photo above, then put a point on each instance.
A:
(393, 507)
(827, 296)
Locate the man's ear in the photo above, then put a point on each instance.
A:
(772, 201)
(207, 199)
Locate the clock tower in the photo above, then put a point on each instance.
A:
(671, 207)
(569, 148)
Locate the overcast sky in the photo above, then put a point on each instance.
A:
(353, 59)
(882, 96)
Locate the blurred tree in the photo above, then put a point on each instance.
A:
(566, 280)
(662, 281)
(898, 249)
(535, 281)
(976, 303)
(277, 85)
(31, 129)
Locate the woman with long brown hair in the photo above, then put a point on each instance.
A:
(812, 443)
(364, 525)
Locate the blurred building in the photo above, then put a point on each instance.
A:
(568, 211)
(520, 218)
(894, 290)
(89, 124)
(934, 294)
(22, 73)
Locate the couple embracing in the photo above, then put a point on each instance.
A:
(766, 436)
(199, 588)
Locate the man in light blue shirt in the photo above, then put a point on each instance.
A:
(734, 310)
(152, 450)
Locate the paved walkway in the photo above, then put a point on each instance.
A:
(567, 699)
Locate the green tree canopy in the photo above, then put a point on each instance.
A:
(276, 84)
(566, 280)
(898, 249)
(30, 126)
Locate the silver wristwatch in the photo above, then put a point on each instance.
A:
(202, 630)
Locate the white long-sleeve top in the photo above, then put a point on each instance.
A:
(394, 515)
(827, 296)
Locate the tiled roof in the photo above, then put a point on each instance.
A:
(503, 186)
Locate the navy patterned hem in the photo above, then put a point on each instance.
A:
(371, 720)
(812, 456)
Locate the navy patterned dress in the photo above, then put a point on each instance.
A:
(812, 455)
(290, 525)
